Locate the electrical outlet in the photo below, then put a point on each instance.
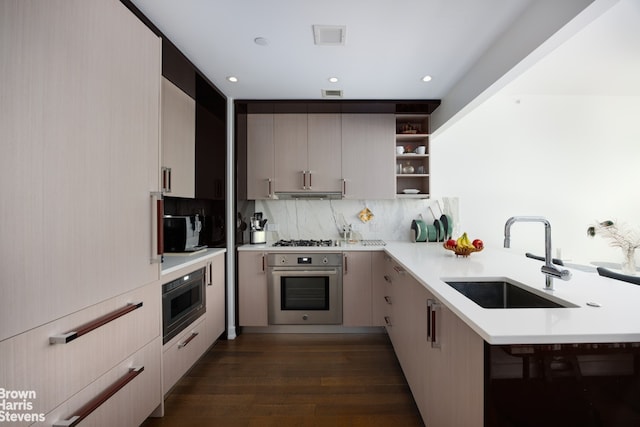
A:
(272, 227)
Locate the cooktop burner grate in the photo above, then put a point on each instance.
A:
(323, 243)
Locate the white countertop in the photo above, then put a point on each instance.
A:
(173, 262)
(268, 247)
(617, 320)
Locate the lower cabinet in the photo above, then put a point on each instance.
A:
(181, 352)
(66, 363)
(252, 289)
(132, 390)
(357, 289)
(441, 357)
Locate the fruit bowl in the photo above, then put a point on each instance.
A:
(465, 252)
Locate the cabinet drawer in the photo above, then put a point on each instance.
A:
(56, 371)
(131, 404)
(180, 354)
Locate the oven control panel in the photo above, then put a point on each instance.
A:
(304, 260)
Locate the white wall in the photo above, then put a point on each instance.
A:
(572, 159)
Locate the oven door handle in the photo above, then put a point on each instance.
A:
(299, 271)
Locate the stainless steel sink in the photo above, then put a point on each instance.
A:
(502, 294)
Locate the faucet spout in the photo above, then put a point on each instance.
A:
(548, 269)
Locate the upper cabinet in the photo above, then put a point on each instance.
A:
(367, 156)
(178, 141)
(412, 155)
(307, 152)
(346, 149)
(260, 157)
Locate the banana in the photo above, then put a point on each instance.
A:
(464, 242)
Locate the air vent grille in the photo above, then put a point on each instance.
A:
(331, 93)
(329, 35)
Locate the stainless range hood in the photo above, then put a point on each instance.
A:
(307, 195)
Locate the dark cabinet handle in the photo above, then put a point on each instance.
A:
(188, 340)
(95, 403)
(94, 324)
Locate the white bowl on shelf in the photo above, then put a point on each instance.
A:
(410, 191)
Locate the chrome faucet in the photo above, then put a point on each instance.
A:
(548, 269)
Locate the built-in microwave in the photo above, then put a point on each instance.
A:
(183, 301)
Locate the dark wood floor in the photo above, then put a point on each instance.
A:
(286, 380)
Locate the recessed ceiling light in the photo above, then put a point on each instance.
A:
(232, 79)
(261, 41)
(426, 78)
(333, 79)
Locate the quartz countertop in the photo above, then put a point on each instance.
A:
(616, 320)
(176, 261)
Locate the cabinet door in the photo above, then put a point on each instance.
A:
(357, 296)
(260, 156)
(325, 152)
(182, 352)
(252, 289)
(215, 299)
(291, 161)
(80, 114)
(379, 261)
(368, 157)
(178, 141)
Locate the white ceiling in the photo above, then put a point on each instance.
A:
(471, 48)
(390, 45)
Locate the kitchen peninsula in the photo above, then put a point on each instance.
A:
(454, 352)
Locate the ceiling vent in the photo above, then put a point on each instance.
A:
(329, 35)
(331, 93)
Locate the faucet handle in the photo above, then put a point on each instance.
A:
(552, 271)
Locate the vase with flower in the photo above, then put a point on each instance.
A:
(621, 236)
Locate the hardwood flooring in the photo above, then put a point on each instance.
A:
(284, 380)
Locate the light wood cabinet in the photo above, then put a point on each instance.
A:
(412, 165)
(441, 357)
(357, 289)
(178, 141)
(252, 289)
(368, 168)
(215, 316)
(80, 129)
(324, 147)
(179, 354)
(55, 372)
(130, 405)
(260, 157)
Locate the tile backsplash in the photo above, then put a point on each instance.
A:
(324, 219)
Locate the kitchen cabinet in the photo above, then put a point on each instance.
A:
(252, 289)
(80, 128)
(215, 316)
(368, 168)
(178, 141)
(357, 289)
(412, 165)
(307, 152)
(58, 372)
(379, 261)
(260, 156)
(441, 357)
(179, 354)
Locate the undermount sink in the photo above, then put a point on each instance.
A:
(502, 293)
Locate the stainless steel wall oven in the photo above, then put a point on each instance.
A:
(183, 301)
(304, 288)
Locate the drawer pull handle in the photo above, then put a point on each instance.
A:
(387, 279)
(188, 340)
(95, 403)
(387, 320)
(388, 300)
(94, 324)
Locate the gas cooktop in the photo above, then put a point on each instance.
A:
(323, 243)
